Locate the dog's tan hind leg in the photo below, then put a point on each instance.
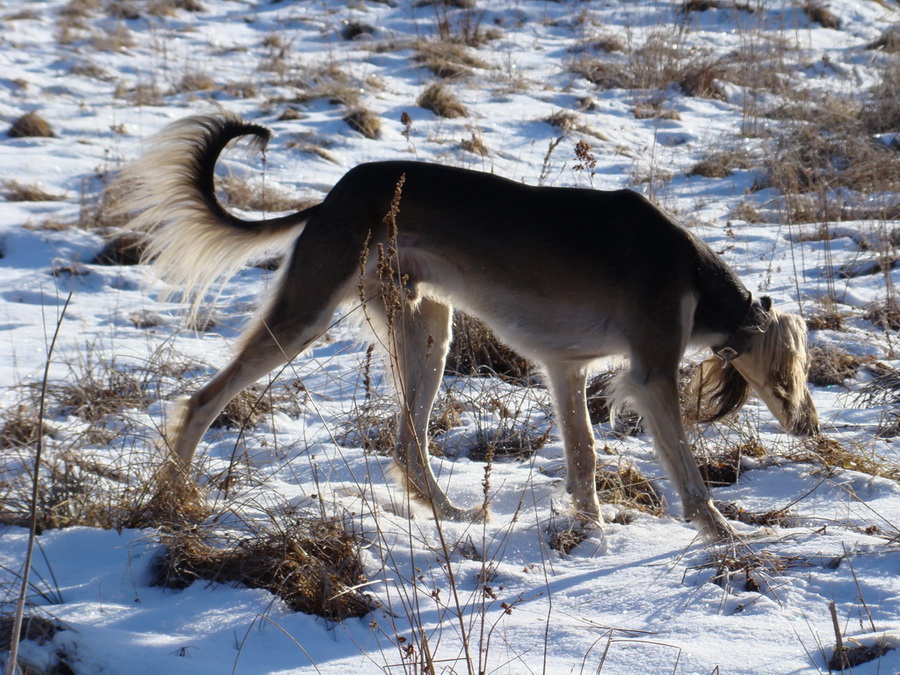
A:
(264, 348)
(416, 342)
(567, 384)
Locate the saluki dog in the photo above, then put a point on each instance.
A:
(565, 276)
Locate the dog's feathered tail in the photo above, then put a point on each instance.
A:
(192, 241)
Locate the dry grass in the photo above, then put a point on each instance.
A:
(475, 144)
(747, 570)
(251, 195)
(122, 249)
(164, 8)
(30, 125)
(246, 410)
(818, 13)
(447, 59)
(311, 564)
(665, 58)
(21, 427)
(475, 350)
(724, 467)
(883, 390)
(364, 121)
(888, 42)
(689, 6)
(832, 456)
(195, 81)
(119, 39)
(440, 100)
(567, 121)
(53, 659)
(721, 163)
(823, 158)
(599, 402)
(884, 315)
(828, 317)
(328, 81)
(516, 439)
(846, 658)
(96, 390)
(628, 487)
(772, 518)
(832, 365)
(14, 191)
(142, 93)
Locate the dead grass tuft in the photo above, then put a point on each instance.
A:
(122, 249)
(516, 440)
(832, 456)
(475, 144)
(30, 125)
(52, 660)
(567, 121)
(888, 42)
(142, 93)
(475, 350)
(118, 39)
(365, 122)
(14, 191)
(440, 100)
(246, 410)
(819, 14)
(847, 658)
(721, 164)
(725, 466)
(832, 365)
(97, 389)
(21, 427)
(76, 489)
(101, 211)
(883, 389)
(312, 565)
(195, 81)
(36, 628)
(164, 8)
(447, 59)
(828, 318)
(599, 401)
(772, 518)
(564, 540)
(705, 5)
(628, 487)
(748, 570)
(884, 315)
(811, 165)
(250, 195)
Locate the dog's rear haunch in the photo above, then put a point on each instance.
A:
(563, 275)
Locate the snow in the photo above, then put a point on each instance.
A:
(633, 598)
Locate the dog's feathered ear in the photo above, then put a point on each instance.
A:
(766, 303)
(717, 390)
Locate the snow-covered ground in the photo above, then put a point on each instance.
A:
(639, 597)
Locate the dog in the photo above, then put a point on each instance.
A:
(564, 276)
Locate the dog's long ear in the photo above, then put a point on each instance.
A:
(717, 390)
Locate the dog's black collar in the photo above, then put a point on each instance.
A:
(754, 322)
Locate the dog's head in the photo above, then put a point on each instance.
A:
(773, 362)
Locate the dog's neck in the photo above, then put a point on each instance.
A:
(755, 321)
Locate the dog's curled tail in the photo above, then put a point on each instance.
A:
(192, 241)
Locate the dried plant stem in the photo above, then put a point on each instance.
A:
(32, 525)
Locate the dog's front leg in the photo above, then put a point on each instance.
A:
(658, 403)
